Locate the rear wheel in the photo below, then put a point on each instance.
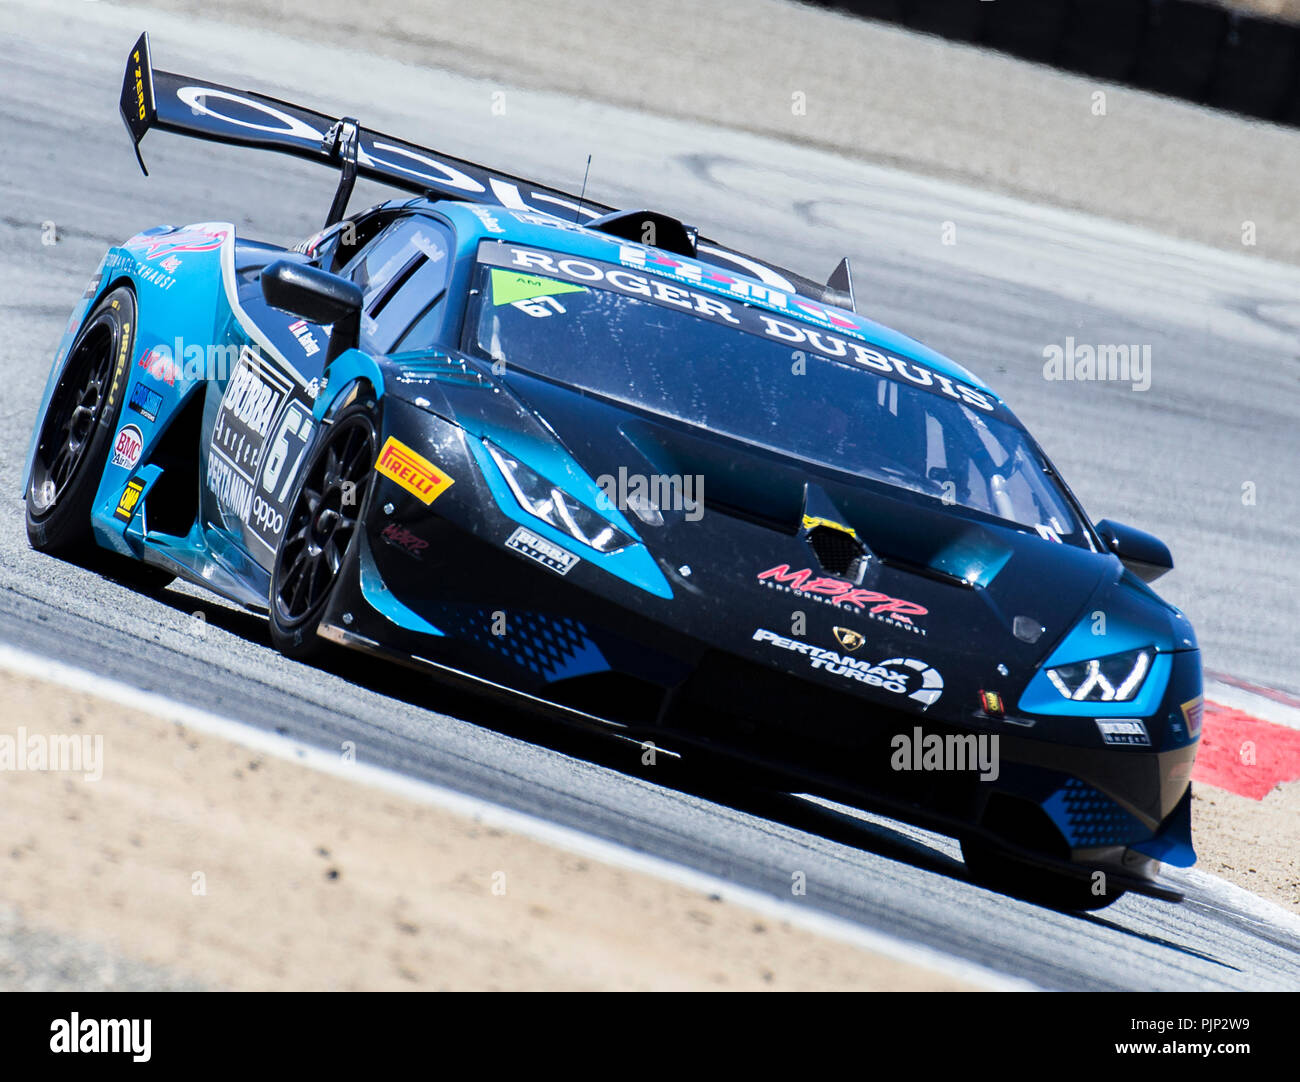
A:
(997, 869)
(74, 439)
(322, 527)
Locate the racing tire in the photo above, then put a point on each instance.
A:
(994, 868)
(73, 445)
(322, 527)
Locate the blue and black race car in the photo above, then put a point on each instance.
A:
(590, 458)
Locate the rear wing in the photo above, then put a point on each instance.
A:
(195, 107)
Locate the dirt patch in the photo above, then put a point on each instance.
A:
(248, 872)
(1250, 842)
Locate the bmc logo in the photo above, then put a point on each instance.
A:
(127, 447)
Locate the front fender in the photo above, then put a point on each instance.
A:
(97, 287)
(342, 374)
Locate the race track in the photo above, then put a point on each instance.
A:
(1221, 412)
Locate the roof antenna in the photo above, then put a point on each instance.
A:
(584, 190)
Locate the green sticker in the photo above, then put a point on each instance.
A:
(509, 287)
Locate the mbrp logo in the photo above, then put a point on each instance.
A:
(401, 537)
(833, 591)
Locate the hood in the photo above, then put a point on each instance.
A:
(876, 571)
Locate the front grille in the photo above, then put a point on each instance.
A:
(1089, 818)
(553, 648)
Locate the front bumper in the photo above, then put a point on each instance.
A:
(435, 585)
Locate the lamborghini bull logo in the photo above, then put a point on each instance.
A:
(849, 639)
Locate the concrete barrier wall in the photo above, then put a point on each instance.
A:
(1188, 49)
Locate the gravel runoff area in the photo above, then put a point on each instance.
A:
(177, 859)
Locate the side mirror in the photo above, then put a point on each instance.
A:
(318, 296)
(1142, 553)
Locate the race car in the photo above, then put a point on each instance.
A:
(639, 480)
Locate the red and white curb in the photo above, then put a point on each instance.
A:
(1250, 738)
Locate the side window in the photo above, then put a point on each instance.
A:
(365, 227)
(403, 275)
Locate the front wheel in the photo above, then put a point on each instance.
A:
(322, 527)
(76, 430)
(73, 444)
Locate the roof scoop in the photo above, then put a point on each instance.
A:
(648, 227)
(836, 544)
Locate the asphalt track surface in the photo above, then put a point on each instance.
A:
(1220, 412)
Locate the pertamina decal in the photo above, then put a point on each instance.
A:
(127, 446)
(920, 682)
(129, 498)
(249, 406)
(412, 471)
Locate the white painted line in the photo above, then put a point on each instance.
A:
(1239, 902)
(1260, 706)
(574, 841)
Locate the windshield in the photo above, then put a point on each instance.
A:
(737, 370)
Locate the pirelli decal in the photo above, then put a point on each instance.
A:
(412, 471)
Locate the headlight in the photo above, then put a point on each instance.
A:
(1113, 679)
(553, 505)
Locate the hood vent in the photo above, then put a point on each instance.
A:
(838, 551)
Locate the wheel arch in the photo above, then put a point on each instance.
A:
(63, 354)
(349, 372)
